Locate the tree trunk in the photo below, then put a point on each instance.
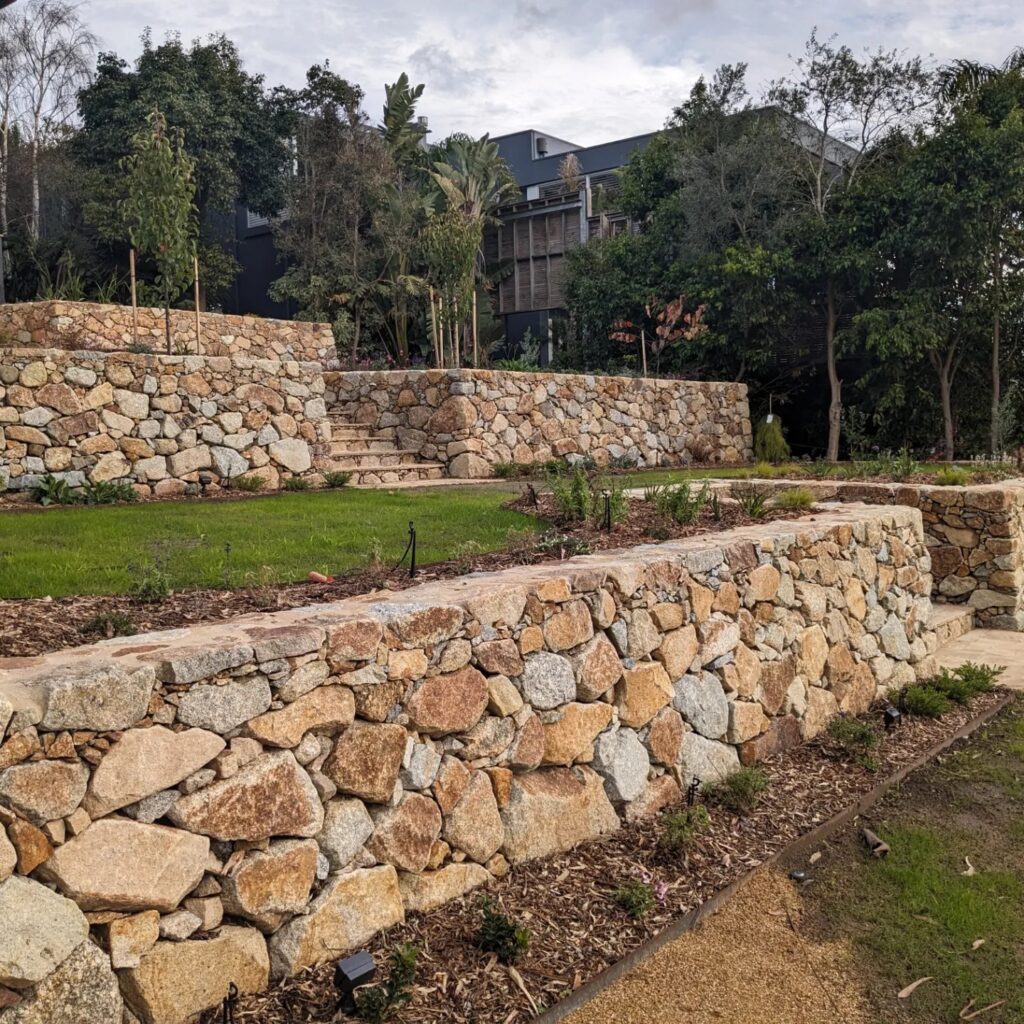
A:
(944, 370)
(835, 406)
(167, 314)
(997, 441)
(33, 224)
(5, 129)
(357, 324)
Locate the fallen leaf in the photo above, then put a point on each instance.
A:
(970, 868)
(911, 988)
(964, 1015)
(815, 857)
(977, 943)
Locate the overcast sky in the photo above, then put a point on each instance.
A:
(588, 71)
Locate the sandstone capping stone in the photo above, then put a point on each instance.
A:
(225, 707)
(349, 911)
(420, 625)
(432, 889)
(178, 980)
(271, 796)
(96, 698)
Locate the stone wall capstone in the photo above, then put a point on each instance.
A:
(471, 419)
(156, 421)
(235, 801)
(105, 327)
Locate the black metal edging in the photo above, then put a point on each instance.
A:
(590, 989)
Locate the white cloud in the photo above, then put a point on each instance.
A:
(588, 72)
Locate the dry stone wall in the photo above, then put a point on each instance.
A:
(156, 421)
(108, 328)
(471, 419)
(236, 801)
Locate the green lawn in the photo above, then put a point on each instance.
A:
(66, 551)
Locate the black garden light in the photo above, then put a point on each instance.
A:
(205, 479)
(692, 790)
(229, 1004)
(607, 509)
(892, 717)
(350, 973)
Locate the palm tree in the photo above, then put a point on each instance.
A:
(962, 79)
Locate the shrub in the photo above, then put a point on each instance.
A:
(499, 934)
(769, 441)
(681, 504)
(108, 492)
(375, 1003)
(924, 701)
(952, 476)
(572, 496)
(464, 553)
(506, 470)
(152, 584)
(336, 478)
(680, 828)
(739, 792)
(250, 484)
(856, 737)
(635, 897)
(752, 501)
(653, 493)
(795, 499)
(561, 545)
(52, 490)
(966, 682)
(821, 469)
(625, 461)
(375, 554)
(296, 483)
(109, 625)
(903, 465)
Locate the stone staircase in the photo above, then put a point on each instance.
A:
(373, 457)
(960, 641)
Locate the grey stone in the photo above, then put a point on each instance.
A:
(223, 708)
(420, 767)
(347, 826)
(292, 453)
(6, 711)
(41, 929)
(153, 807)
(177, 927)
(547, 680)
(706, 759)
(228, 463)
(97, 699)
(893, 638)
(190, 664)
(702, 702)
(621, 760)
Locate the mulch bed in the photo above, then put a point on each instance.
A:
(576, 930)
(34, 626)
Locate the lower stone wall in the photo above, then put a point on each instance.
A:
(156, 421)
(105, 327)
(975, 536)
(471, 419)
(233, 802)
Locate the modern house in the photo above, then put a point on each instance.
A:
(556, 210)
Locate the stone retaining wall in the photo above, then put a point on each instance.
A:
(108, 328)
(236, 801)
(156, 421)
(975, 536)
(472, 419)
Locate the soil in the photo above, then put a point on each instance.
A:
(35, 626)
(576, 929)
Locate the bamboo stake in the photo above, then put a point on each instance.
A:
(199, 330)
(456, 337)
(135, 302)
(643, 351)
(476, 361)
(433, 329)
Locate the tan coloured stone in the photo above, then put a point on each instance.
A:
(763, 583)
(356, 640)
(448, 703)
(527, 751)
(432, 889)
(821, 708)
(813, 653)
(500, 657)
(502, 696)
(270, 796)
(572, 734)
(667, 616)
(374, 701)
(406, 664)
(665, 737)
(597, 667)
(349, 911)
(366, 760)
(44, 790)
(450, 782)
(744, 674)
(568, 627)
(855, 602)
(660, 793)
(701, 599)
(119, 864)
(746, 720)
(270, 885)
(178, 980)
(30, 844)
(421, 625)
(145, 761)
(326, 710)
(531, 639)
(128, 938)
(643, 692)
(404, 835)
(474, 825)
(677, 651)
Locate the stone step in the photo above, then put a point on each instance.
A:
(951, 621)
(350, 445)
(382, 477)
(364, 459)
(988, 647)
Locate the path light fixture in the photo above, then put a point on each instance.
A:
(892, 717)
(350, 973)
(229, 1004)
(692, 790)
(205, 479)
(607, 509)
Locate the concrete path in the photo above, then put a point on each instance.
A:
(988, 647)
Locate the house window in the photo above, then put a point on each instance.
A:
(255, 220)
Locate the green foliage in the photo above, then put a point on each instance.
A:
(923, 701)
(681, 503)
(681, 828)
(109, 625)
(499, 934)
(464, 554)
(794, 499)
(580, 498)
(517, 365)
(635, 897)
(769, 442)
(151, 583)
(952, 476)
(336, 478)
(852, 734)
(752, 500)
(53, 490)
(296, 483)
(739, 792)
(108, 492)
(375, 1003)
(250, 483)
(963, 684)
(560, 546)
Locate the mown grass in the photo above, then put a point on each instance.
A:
(920, 911)
(279, 538)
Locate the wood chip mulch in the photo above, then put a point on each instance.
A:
(34, 626)
(576, 929)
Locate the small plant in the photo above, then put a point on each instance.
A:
(795, 499)
(636, 898)
(923, 701)
(499, 934)
(769, 442)
(250, 484)
(753, 501)
(653, 493)
(625, 462)
(573, 497)
(109, 625)
(152, 584)
(108, 492)
(820, 469)
(296, 483)
(464, 553)
(52, 490)
(952, 476)
(561, 545)
(679, 829)
(506, 470)
(739, 792)
(336, 478)
(963, 684)
(681, 504)
(903, 465)
(375, 555)
(716, 507)
(852, 734)
(375, 1003)
(140, 348)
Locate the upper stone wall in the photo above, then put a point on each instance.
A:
(472, 419)
(283, 786)
(156, 421)
(104, 327)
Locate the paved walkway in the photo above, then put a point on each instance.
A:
(989, 647)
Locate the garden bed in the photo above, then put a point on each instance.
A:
(576, 928)
(35, 626)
